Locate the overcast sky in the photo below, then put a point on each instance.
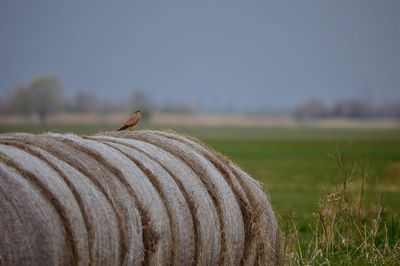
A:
(243, 54)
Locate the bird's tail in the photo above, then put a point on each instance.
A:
(122, 128)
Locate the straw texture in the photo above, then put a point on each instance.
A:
(129, 198)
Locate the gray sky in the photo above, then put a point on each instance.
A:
(268, 54)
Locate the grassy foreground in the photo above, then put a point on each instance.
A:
(336, 191)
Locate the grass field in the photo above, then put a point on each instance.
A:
(298, 167)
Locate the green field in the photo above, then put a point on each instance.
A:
(296, 165)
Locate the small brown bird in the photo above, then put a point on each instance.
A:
(132, 120)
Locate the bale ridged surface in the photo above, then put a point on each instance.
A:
(129, 198)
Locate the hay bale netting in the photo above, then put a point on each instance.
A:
(129, 198)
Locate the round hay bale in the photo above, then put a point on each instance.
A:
(129, 198)
(207, 234)
(26, 218)
(128, 218)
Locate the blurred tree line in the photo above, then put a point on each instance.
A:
(43, 96)
(348, 108)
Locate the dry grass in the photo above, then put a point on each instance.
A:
(351, 225)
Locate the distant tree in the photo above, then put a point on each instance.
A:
(45, 96)
(141, 100)
(311, 110)
(353, 109)
(179, 108)
(41, 96)
(20, 102)
(85, 101)
(391, 110)
(106, 107)
(3, 107)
